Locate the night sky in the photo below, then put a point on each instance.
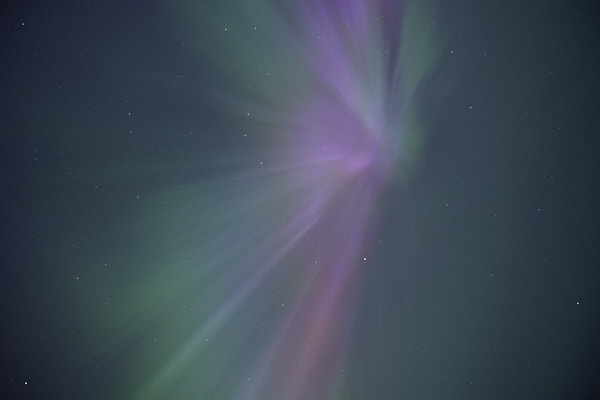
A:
(317, 199)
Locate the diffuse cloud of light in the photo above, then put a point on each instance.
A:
(278, 252)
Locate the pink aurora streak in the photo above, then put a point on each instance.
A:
(342, 134)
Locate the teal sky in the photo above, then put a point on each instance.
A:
(300, 200)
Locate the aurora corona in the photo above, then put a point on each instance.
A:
(324, 92)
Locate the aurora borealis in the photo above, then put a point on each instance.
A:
(300, 200)
(284, 255)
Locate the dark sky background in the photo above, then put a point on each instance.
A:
(120, 132)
